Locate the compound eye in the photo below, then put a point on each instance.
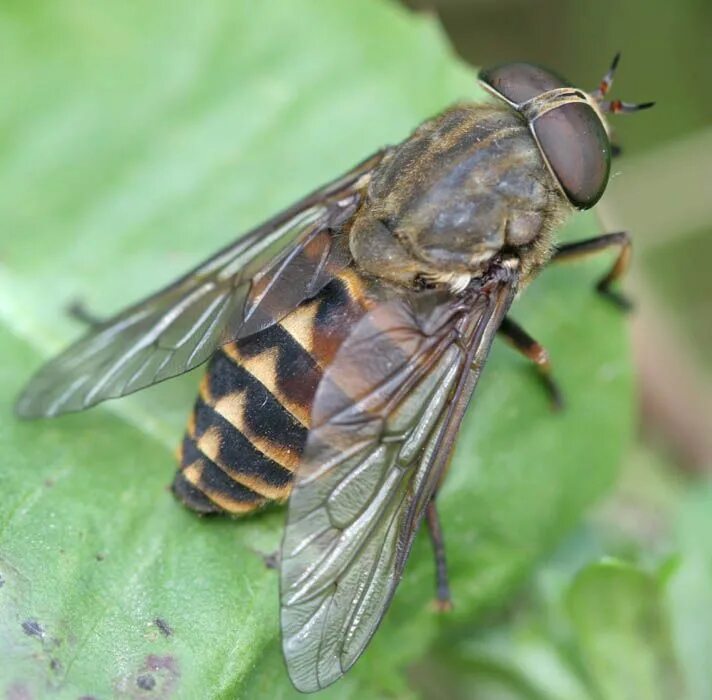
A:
(519, 82)
(574, 141)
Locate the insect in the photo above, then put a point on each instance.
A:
(345, 338)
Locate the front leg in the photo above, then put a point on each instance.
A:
(599, 244)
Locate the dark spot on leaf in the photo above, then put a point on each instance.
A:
(146, 682)
(49, 483)
(163, 626)
(99, 556)
(2, 581)
(32, 628)
(55, 665)
(158, 675)
(87, 697)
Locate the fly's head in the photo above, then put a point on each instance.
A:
(568, 124)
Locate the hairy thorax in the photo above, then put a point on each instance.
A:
(466, 185)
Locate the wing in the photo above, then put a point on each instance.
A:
(385, 417)
(243, 289)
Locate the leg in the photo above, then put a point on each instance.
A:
(443, 603)
(599, 244)
(521, 341)
(271, 560)
(79, 312)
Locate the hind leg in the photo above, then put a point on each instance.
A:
(443, 601)
(79, 312)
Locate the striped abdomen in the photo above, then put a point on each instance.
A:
(249, 425)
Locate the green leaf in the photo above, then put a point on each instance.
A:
(689, 591)
(619, 617)
(607, 630)
(135, 139)
(603, 634)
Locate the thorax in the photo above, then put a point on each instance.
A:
(463, 186)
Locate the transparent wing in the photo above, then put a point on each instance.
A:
(384, 421)
(244, 288)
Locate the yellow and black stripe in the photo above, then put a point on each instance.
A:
(249, 425)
